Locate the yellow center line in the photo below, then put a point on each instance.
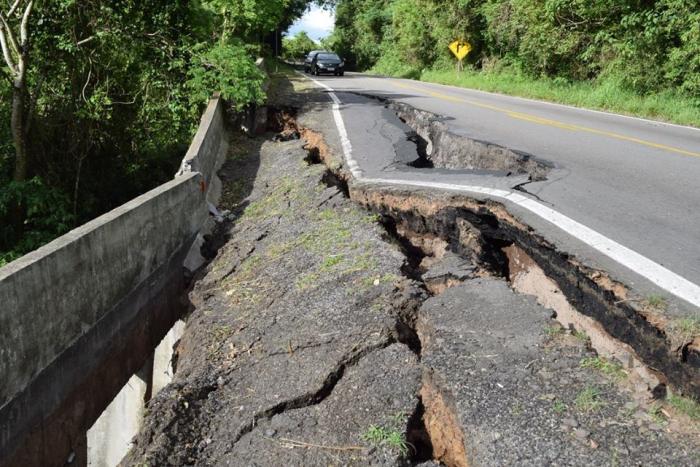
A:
(548, 122)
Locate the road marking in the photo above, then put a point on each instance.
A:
(557, 104)
(637, 263)
(548, 122)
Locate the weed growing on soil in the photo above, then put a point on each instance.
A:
(589, 400)
(687, 327)
(580, 335)
(655, 302)
(372, 218)
(380, 436)
(371, 281)
(553, 331)
(361, 263)
(331, 261)
(559, 407)
(246, 270)
(685, 405)
(656, 415)
(610, 369)
(307, 281)
(272, 205)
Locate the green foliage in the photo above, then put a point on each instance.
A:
(299, 46)
(47, 216)
(630, 46)
(116, 91)
(391, 438)
(230, 69)
(360, 27)
(686, 405)
(606, 94)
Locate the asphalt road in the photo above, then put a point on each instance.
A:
(633, 181)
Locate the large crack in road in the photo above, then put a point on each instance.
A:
(348, 324)
(438, 146)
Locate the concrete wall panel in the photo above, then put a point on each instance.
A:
(66, 306)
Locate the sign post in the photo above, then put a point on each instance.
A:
(460, 49)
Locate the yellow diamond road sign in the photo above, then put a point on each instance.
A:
(461, 49)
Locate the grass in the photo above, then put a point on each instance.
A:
(272, 205)
(687, 327)
(553, 331)
(589, 400)
(656, 302)
(608, 95)
(685, 405)
(328, 239)
(580, 335)
(307, 281)
(610, 369)
(656, 415)
(391, 438)
(559, 407)
(331, 261)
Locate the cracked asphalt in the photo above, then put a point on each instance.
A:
(292, 341)
(634, 181)
(311, 342)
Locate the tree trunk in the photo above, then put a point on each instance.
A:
(19, 133)
(19, 138)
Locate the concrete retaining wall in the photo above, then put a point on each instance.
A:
(70, 306)
(208, 149)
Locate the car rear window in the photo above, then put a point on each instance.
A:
(328, 57)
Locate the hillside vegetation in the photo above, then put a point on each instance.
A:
(636, 56)
(99, 99)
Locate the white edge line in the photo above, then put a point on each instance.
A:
(652, 271)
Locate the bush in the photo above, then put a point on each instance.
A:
(47, 216)
(297, 47)
(228, 68)
(644, 47)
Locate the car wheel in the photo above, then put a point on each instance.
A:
(342, 73)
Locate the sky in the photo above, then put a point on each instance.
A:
(317, 22)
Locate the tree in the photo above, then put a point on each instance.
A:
(15, 44)
(99, 99)
(298, 46)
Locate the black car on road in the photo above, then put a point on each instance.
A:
(310, 58)
(326, 62)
